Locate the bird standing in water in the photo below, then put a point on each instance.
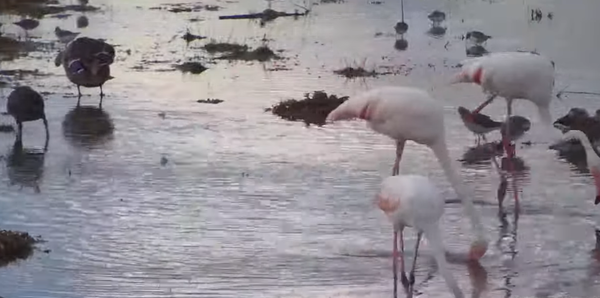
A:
(27, 24)
(25, 104)
(414, 201)
(86, 62)
(512, 75)
(478, 123)
(403, 114)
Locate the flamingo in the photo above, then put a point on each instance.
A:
(414, 201)
(405, 113)
(592, 159)
(512, 75)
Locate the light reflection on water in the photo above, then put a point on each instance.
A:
(251, 206)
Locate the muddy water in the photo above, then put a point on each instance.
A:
(248, 205)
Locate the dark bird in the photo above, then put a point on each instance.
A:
(65, 36)
(27, 24)
(437, 16)
(86, 62)
(82, 22)
(519, 125)
(477, 37)
(401, 27)
(479, 124)
(24, 104)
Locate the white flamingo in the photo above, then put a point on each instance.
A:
(592, 159)
(512, 75)
(404, 113)
(414, 201)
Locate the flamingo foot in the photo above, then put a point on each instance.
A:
(477, 251)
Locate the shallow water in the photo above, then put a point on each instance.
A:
(248, 205)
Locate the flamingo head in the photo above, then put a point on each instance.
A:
(478, 249)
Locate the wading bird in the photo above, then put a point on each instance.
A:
(86, 62)
(65, 36)
(414, 201)
(478, 123)
(25, 104)
(593, 160)
(403, 114)
(512, 75)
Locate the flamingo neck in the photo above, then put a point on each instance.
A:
(545, 116)
(477, 76)
(593, 160)
(441, 152)
(433, 235)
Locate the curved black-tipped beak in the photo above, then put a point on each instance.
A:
(597, 200)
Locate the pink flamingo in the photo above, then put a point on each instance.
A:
(512, 75)
(404, 113)
(414, 201)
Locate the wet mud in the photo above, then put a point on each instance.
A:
(312, 109)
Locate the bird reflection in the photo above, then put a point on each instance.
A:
(482, 153)
(87, 126)
(476, 51)
(26, 166)
(436, 31)
(401, 44)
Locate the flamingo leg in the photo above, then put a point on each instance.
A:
(403, 272)
(510, 151)
(395, 263)
(396, 168)
(491, 98)
(414, 266)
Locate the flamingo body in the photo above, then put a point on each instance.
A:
(405, 113)
(417, 203)
(401, 113)
(513, 75)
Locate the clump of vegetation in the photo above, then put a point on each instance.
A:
(210, 101)
(191, 67)
(234, 51)
(15, 246)
(311, 110)
(355, 72)
(189, 37)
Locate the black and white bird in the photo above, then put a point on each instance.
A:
(437, 17)
(477, 37)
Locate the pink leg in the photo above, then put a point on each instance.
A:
(484, 104)
(395, 264)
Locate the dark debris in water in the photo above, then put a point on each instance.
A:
(186, 7)
(189, 37)
(6, 128)
(359, 72)
(233, 51)
(210, 101)
(191, 67)
(311, 110)
(15, 246)
(40, 8)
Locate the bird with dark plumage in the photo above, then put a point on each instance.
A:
(27, 24)
(25, 104)
(477, 37)
(437, 16)
(86, 62)
(478, 123)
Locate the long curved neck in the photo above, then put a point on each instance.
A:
(433, 235)
(590, 155)
(441, 152)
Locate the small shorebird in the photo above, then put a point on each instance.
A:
(437, 17)
(478, 123)
(477, 37)
(27, 24)
(25, 104)
(65, 36)
(414, 201)
(403, 114)
(86, 62)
